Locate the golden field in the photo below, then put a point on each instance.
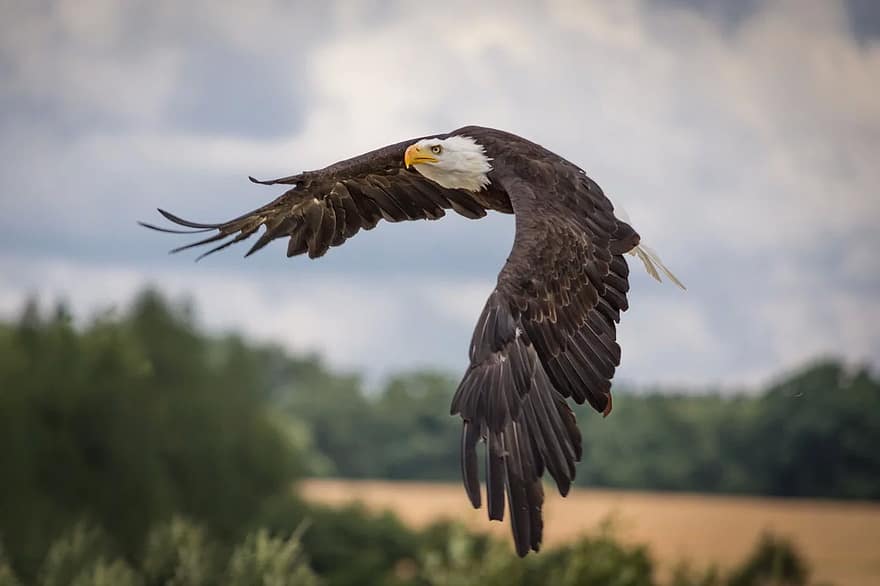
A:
(840, 540)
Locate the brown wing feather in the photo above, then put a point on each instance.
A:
(547, 332)
(324, 208)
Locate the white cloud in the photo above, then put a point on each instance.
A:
(672, 339)
(458, 301)
(829, 321)
(749, 150)
(356, 323)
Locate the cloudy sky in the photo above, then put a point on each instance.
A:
(743, 138)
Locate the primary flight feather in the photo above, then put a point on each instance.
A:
(547, 331)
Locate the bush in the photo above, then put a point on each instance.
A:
(684, 574)
(350, 546)
(102, 573)
(181, 447)
(179, 553)
(84, 557)
(356, 547)
(773, 562)
(7, 575)
(469, 559)
(601, 560)
(267, 561)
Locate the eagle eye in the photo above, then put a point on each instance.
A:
(436, 149)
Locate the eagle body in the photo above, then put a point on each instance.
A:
(548, 330)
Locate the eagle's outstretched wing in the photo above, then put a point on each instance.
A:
(547, 332)
(326, 207)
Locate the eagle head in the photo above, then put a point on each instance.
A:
(456, 162)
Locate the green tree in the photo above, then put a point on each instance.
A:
(816, 435)
(127, 421)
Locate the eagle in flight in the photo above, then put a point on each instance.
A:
(548, 330)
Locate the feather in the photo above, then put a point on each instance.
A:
(352, 215)
(339, 218)
(495, 477)
(652, 261)
(243, 235)
(326, 230)
(402, 200)
(281, 227)
(390, 209)
(470, 473)
(516, 490)
(465, 205)
(313, 216)
(292, 179)
(208, 240)
(368, 210)
(554, 454)
(180, 221)
(298, 244)
(172, 230)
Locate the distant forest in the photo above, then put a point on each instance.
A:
(134, 446)
(813, 434)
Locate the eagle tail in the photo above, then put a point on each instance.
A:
(652, 263)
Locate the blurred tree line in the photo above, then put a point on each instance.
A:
(138, 450)
(814, 434)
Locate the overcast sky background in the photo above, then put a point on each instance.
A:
(743, 138)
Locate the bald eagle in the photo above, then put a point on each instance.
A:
(548, 330)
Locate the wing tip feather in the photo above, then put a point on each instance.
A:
(289, 180)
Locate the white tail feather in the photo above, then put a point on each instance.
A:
(650, 258)
(652, 262)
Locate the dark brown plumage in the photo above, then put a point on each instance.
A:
(547, 331)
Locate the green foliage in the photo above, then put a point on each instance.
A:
(7, 574)
(347, 546)
(350, 546)
(466, 559)
(84, 557)
(115, 573)
(685, 574)
(267, 561)
(774, 562)
(454, 556)
(812, 435)
(404, 432)
(182, 449)
(179, 553)
(413, 427)
(667, 442)
(817, 435)
(127, 421)
(601, 560)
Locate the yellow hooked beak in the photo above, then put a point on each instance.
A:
(415, 156)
